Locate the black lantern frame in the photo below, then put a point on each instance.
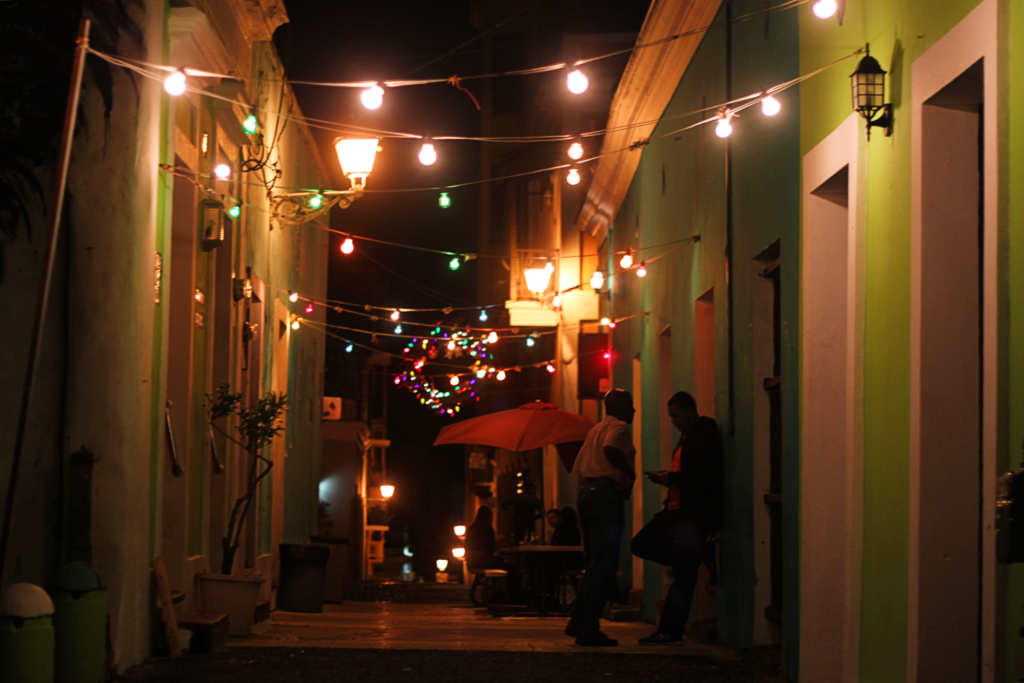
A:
(868, 82)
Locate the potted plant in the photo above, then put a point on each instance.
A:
(257, 427)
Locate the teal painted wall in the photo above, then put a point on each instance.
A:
(765, 208)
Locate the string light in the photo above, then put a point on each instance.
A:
(642, 270)
(723, 129)
(576, 150)
(295, 324)
(529, 341)
(428, 155)
(372, 97)
(770, 106)
(606, 321)
(627, 259)
(347, 247)
(175, 84)
(454, 263)
(316, 201)
(451, 346)
(597, 281)
(500, 376)
(293, 296)
(556, 302)
(550, 368)
(395, 315)
(454, 380)
(222, 171)
(398, 329)
(492, 337)
(235, 211)
(573, 176)
(577, 82)
(823, 9)
(483, 316)
(348, 349)
(309, 308)
(444, 201)
(251, 124)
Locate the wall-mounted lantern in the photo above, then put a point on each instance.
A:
(356, 156)
(868, 83)
(213, 224)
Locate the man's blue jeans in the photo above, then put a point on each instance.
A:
(600, 509)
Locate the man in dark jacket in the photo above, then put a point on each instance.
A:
(677, 536)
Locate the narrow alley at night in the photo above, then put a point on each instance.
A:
(512, 340)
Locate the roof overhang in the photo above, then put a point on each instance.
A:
(646, 88)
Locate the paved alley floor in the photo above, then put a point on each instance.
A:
(431, 642)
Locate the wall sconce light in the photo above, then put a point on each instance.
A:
(356, 156)
(460, 530)
(459, 553)
(386, 491)
(868, 83)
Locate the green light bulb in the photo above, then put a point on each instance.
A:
(235, 211)
(250, 125)
(454, 263)
(444, 201)
(316, 201)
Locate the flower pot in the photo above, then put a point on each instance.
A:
(235, 596)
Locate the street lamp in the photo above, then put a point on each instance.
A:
(868, 83)
(442, 565)
(386, 491)
(460, 530)
(458, 553)
(356, 156)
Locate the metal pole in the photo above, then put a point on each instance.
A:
(60, 182)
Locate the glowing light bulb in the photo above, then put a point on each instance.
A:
(372, 97)
(573, 177)
(309, 308)
(293, 296)
(550, 368)
(454, 380)
(222, 171)
(347, 247)
(823, 9)
(577, 82)
(295, 324)
(442, 565)
(251, 124)
(428, 155)
(460, 530)
(395, 315)
(770, 106)
(455, 263)
(529, 341)
(500, 376)
(398, 329)
(387, 491)
(174, 84)
(398, 380)
(597, 281)
(481, 373)
(724, 128)
(444, 201)
(557, 301)
(348, 349)
(492, 337)
(576, 150)
(458, 553)
(235, 211)
(549, 267)
(451, 346)
(641, 271)
(627, 259)
(483, 316)
(316, 201)
(606, 321)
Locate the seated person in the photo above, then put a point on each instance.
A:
(554, 518)
(480, 547)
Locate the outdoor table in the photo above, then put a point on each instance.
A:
(538, 559)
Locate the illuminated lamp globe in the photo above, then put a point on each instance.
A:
(606, 321)
(597, 281)
(174, 84)
(577, 82)
(492, 337)
(356, 157)
(293, 296)
(428, 155)
(395, 315)
(222, 171)
(537, 279)
(770, 106)
(641, 271)
(347, 247)
(501, 375)
(627, 260)
(823, 9)
(459, 553)
(529, 342)
(295, 324)
(442, 565)
(454, 380)
(386, 491)
(576, 150)
(573, 176)
(460, 530)
(372, 97)
(723, 129)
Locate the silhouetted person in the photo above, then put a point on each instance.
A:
(677, 536)
(605, 464)
(481, 544)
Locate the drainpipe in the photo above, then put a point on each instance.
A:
(731, 425)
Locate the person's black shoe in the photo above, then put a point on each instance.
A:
(659, 638)
(597, 639)
(570, 630)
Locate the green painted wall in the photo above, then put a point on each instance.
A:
(765, 206)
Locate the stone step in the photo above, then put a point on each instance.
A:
(622, 613)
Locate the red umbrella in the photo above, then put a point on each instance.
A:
(533, 425)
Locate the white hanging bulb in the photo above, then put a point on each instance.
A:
(557, 301)
(576, 150)
(483, 316)
(770, 106)
(627, 259)
(492, 337)
(724, 128)
(451, 346)
(347, 247)
(573, 177)
(455, 380)
(295, 324)
(642, 270)
(372, 97)
(529, 341)
(823, 9)
(577, 82)
(481, 373)
(428, 155)
(501, 375)
(174, 84)
(597, 281)
(222, 171)
(293, 296)
(395, 315)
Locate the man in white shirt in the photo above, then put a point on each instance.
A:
(605, 465)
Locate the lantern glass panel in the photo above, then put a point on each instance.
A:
(356, 155)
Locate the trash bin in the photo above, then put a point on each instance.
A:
(337, 566)
(26, 634)
(303, 576)
(79, 625)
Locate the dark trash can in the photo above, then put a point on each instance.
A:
(303, 575)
